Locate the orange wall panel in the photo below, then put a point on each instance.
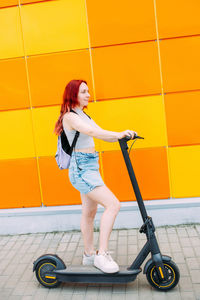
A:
(13, 87)
(116, 176)
(6, 3)
(19, 183)
(112, 22)
(151, 170)
(126, 70)
(55, 71)
(32, 1)
(178, 18)
(56, 187)
(180, 64)
(182, 116)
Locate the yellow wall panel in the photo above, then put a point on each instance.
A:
(6, 3)
(126, 70)
(19, 183)
(10, 33)
(112, 22)
(13, 87)
(145, 115)
(55, 71)
(56, 187)
(182, 116)
(185, 175)
(44, 120)
(180, 64)
(54, 26)
(178, 18)
(16, 134)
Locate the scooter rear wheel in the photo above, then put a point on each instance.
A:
(42, 269)
(173, 276)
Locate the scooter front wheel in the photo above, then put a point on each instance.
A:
(173, 276)
(44, 267)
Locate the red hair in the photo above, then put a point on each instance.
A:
(70, 100)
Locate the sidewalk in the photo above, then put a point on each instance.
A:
(17, 253)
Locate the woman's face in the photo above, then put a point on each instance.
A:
(83, 95)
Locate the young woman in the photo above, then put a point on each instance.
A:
(84, 173)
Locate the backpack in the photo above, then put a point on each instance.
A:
(64, 150)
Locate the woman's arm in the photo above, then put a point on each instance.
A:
(106, 139)
(78, 124)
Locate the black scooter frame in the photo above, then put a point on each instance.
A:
(148, 226)
(87, 274)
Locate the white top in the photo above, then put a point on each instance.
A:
(84, 140)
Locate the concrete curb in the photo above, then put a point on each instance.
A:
(64, 218)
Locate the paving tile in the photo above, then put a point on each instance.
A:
(195, 275)
(188, 252)
(17, 253)
(188, 296)
(192, 231)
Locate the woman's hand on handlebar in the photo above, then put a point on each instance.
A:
(127, 133)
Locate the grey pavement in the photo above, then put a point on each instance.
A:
(17, 253)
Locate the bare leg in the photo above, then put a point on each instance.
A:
(89, 209)
(106, 198)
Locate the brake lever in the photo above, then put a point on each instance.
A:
(128, 138)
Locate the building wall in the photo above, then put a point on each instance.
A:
(141, 62)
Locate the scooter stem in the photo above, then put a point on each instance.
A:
(124, 148)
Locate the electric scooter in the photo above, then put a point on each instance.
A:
(161, 272)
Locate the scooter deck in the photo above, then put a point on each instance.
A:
(90, 274)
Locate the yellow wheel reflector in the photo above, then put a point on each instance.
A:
(51, 277)
(161, 272)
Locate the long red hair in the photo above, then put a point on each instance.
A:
(70, 100)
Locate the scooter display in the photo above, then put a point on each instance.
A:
(161, 272)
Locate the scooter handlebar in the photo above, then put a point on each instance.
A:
(128, 138)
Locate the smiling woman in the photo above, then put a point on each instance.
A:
(84, 172)
(83, 94)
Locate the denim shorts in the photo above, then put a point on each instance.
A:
(84, 171)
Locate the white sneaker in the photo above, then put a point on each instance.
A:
(88, 260)
(105, 263)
